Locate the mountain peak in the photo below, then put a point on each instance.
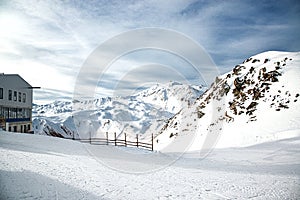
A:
(244, 105)
(257, 101)
(142, 113)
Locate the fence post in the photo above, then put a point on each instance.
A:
(152, 142)
(90, 137)
(115, 139)
(137, 140)
(107, 138)
(125, 140)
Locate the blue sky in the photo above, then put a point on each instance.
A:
(48, 41)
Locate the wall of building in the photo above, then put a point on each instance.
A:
(15, 103)
(21, 127)
(18, 86)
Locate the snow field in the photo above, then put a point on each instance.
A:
(41, 167)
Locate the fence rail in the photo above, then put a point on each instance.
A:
(117, 142)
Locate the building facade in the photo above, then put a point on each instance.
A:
(15, 104)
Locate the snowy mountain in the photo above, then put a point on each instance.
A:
(171, 97)
(258, 101)
(143, 113)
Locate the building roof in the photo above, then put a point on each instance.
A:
(2, 75)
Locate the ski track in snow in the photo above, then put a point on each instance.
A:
(42, 167)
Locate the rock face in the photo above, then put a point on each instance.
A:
(258, 101)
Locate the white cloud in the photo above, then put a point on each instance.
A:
(48, 41)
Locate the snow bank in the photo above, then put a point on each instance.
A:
(40, 167)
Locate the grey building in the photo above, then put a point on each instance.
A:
(15, 103)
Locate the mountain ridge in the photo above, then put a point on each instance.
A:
(241, 106)
(141, 113)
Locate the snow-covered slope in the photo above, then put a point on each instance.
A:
(36, 167)
(143, 113)
(171, 97)
(258, 101)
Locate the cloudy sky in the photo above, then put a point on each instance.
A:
(47, 42)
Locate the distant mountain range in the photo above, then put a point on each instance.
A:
(258, 101)
(143, 113)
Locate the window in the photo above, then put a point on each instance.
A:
(5, 112)
(15, 95)
(24, 98)
(20, 113)
(12, 113)
(9, 95)
(1, 93)
(20, 96)
(27, 113)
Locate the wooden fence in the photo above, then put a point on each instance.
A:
(117, 142)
